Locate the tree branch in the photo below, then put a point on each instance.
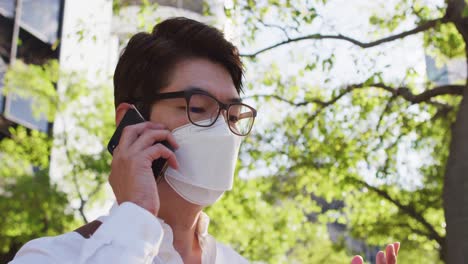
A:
(405, 208)
(423, 27)
(403, 92)
(326, 104)
(283, 29)
(425, 96)
(384, 169)
(384, 111)
(96, 189)
(413, 229)
(282, 99)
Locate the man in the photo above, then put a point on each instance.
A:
(185, 78)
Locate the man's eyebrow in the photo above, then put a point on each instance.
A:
(195, 88)
(235, 100)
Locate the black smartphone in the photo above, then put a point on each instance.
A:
(132, 117)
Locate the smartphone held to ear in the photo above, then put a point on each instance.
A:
(132, 117)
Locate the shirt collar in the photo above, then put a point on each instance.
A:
(202, 224)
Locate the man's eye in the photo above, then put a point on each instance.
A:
(197, 110)
(233, 119)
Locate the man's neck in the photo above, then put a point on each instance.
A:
(182, 217)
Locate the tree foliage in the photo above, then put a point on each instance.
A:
(34, 204)
(378, 144)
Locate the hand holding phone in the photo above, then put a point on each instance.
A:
(137, 150)
(132, 117)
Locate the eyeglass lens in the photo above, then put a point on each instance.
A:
(203, 107)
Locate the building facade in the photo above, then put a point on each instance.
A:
(29, 30)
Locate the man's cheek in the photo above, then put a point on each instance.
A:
(178, 120)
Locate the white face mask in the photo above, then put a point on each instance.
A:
(207, 159)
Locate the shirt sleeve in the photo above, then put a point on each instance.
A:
(130, 234)
(225, 254)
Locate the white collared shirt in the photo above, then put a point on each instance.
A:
(129, 234)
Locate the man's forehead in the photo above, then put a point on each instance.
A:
(206, 75)
(220, 95)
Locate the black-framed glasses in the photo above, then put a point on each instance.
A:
(203, 110)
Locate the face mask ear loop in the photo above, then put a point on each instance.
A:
(159, 179)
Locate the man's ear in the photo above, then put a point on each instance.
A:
(120, 111)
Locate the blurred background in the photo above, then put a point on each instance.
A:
(361, 138)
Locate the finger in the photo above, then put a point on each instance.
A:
(160, 151)
(390, 254)
(380, 258)
(132, 132)
(149, 137)
(396, 245)
(357, 260)
(155, 126)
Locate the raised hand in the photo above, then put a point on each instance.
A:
(389, 257)
(131, 176)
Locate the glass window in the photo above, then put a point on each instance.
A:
(7, 8)
(19, 110)
(39, 17)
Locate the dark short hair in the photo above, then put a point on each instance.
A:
(146, 64)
